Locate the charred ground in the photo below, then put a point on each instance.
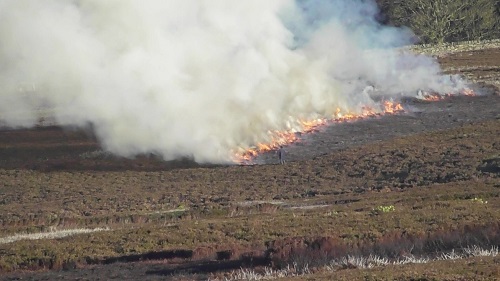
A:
(193, 222)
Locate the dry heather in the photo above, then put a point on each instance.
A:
(438, 190)
(403, 188)
(478, 61)
(446, 49)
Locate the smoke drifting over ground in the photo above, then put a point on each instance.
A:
(198, 78)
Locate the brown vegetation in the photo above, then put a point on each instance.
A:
(437, 21)
(430, 188)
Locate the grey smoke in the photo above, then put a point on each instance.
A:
(193, 78)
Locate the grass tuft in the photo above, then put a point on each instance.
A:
(54, 234)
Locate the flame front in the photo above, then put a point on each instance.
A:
(427, 96)
(469, 92)
(279, 138)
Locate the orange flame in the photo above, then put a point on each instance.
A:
(391, 107)
(469, 92)
(433, 97)
(437, 97)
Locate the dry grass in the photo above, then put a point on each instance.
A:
(350, 262)
(52, 234)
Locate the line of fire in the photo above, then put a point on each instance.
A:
(283, 138)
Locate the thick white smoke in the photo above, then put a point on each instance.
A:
(197, 78)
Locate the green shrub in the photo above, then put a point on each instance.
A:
(386, 209)
(479, 200)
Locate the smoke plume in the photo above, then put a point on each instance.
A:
(200, 79)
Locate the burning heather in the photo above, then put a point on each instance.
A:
(430, 96)
(459, 87)
(204, 79)
(279, 138)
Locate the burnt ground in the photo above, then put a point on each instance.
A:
(421, 116)
(429, 162)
